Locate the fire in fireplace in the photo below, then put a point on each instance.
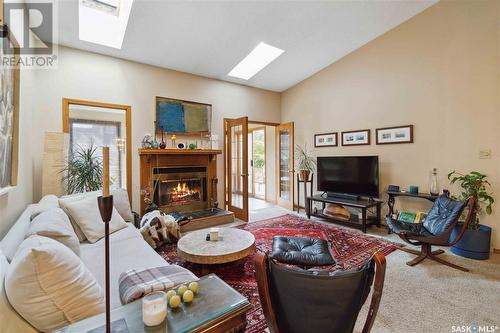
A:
(182, 189)
(185, 191)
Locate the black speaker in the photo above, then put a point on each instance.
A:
(344, 196)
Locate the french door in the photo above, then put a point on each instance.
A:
(285, 165)
(236, 166)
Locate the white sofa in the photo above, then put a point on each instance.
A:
(128, 250)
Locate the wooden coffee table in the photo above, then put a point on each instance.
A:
(233, 244)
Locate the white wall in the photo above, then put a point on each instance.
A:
(15, 201)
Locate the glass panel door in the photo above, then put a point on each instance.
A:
(285, 161)
(236, 166)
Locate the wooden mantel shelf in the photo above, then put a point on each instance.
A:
(179, 152)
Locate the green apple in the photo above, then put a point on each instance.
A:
(175, 301)
(193, 286)
(170, 294)
(181, 290)
(188, 296)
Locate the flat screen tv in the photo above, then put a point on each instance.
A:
(354, 175)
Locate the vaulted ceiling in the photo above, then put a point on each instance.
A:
(209, 38)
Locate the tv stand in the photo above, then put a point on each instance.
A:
(355, 222)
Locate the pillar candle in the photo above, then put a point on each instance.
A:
(105, 171)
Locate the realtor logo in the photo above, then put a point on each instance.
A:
(30, 40)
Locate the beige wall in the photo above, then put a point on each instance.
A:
(439, 71)
(94, 77)
(16, 200)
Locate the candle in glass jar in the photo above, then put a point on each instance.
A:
(154, 308)
(105, 171)
(214, 234)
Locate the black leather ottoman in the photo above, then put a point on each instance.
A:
(302, 251)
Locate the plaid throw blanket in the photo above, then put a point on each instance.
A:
(134, 284)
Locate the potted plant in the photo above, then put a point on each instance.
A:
(305, 162)
(475, 242)
(83, 172)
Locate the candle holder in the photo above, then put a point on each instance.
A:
(105, 204)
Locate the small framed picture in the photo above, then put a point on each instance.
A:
(325, 140)
(392, 135)
(356, 138)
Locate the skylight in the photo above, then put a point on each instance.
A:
(261, 56)
(103, 22)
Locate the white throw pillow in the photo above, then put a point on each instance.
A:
(55, 224)
(50, 286)
(86, 214)
(10, 320)
(63, 202)
(47, 202)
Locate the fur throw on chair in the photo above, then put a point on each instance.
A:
(158, 228)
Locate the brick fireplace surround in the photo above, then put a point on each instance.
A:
(157, 161)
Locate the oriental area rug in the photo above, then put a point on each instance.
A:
(350, 249)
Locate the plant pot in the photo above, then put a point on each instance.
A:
(304, 174)
(474, 244)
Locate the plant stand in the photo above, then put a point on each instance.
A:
(305, 190)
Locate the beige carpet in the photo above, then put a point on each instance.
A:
(429, 297)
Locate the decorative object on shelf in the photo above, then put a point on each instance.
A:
(356, 138)
(154, 308)
(183, 117)
(325, 140)
(434, 183)
(337, 212)
(146, 141)
(180, 145)
(192, 146)
(83, 172)
(306, 164)
(413, 189)
(155, 144)
(393, 188)
(105, 203)
(392, 135)
(475, 243)
(172, 141)
(163, 144)
(9, 119)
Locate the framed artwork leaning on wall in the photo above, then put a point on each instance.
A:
(9, 118)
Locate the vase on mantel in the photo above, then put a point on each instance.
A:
(434, 184)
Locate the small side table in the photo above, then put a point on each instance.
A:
(305, 190)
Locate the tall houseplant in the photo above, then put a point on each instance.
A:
(476, 241)
(306, 164)
(83, 172)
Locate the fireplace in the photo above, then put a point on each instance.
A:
(182, 189)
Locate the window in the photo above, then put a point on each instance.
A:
(85, 133)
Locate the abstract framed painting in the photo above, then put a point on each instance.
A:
(183, 117)
(325, 140)
(393, 135)
(356, 138)
(9, 121)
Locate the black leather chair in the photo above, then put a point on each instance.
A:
(435, 230)
(296, 300)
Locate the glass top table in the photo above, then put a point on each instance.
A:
(215, 302)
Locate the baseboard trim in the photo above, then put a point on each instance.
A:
(496, 251)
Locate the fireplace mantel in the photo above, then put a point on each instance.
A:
(179, 152)
(178, 158)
